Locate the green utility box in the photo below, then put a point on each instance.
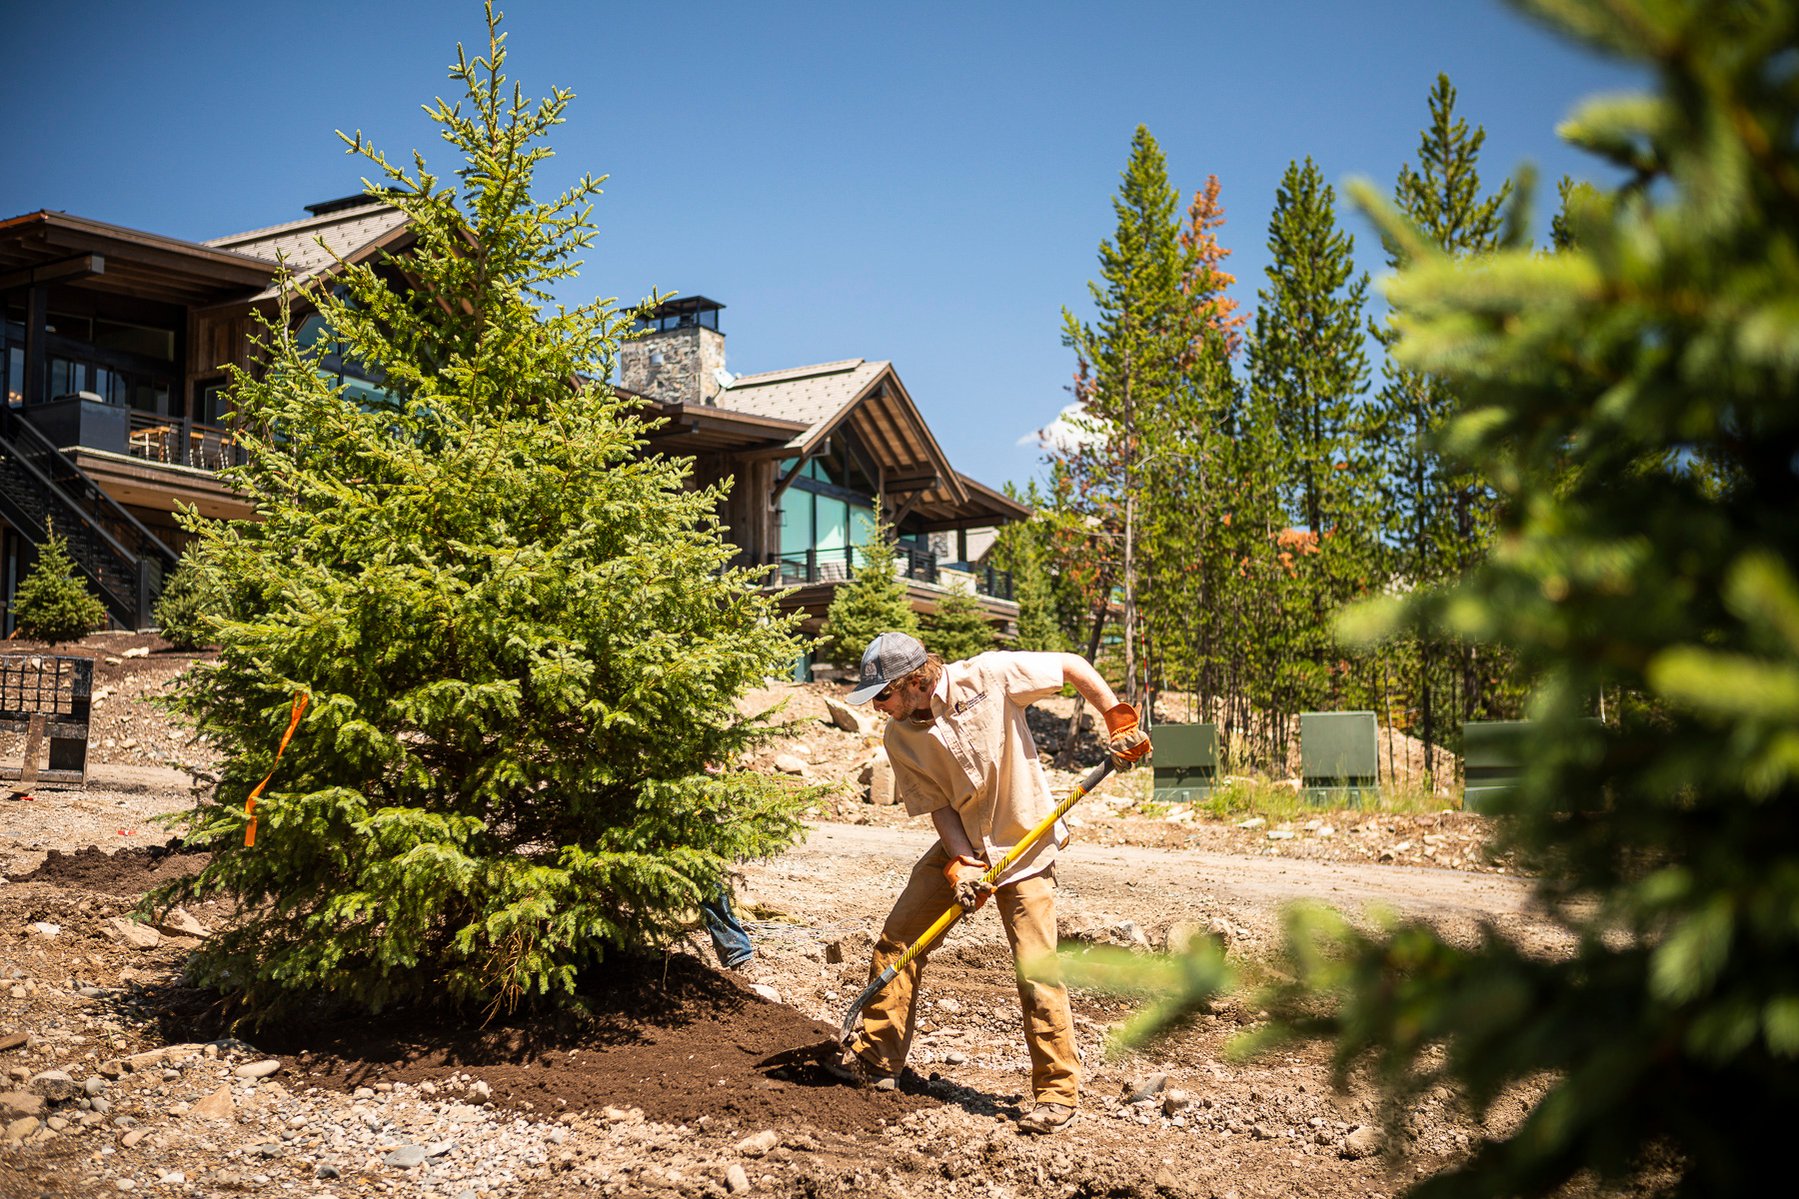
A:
(1492, 760)
(1339, 757)
(1185, 757)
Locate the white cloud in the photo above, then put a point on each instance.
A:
(1069, 431)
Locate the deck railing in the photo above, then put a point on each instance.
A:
(840, 565)
(180, 442)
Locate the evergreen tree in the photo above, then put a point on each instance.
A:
(1438, 515)
(1207, 283)
(959, 628)
(189, 599)
(1185, 480)
(871, 603)
(1022, 550)
(1634, 400)
(507, 643)
(1306, 357)
(1307, 369)
(51, 604)
(1136, 350)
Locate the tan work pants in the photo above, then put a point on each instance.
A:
(1027, 909)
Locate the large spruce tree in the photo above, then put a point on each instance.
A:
(515, 635)
(1308, 368)
(1437, 512)
(1136, 347)
(1634, 400)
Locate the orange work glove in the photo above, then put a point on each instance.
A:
(964, 874)
(1126, 744)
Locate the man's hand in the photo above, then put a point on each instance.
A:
(1126, 744)
(964, 874)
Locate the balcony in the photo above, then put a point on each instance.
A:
(919, 565)
(85, 421)
(182, 442)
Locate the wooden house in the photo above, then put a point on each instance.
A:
(115, 344)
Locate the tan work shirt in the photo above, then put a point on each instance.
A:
(978, 757)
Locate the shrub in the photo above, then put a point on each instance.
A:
(872, 603)
(51, 604)
(189, 601)
(959, 628)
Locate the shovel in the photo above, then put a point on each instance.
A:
(930, 935)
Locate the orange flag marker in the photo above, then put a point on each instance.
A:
(301, 699)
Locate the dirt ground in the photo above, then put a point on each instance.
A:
(688, 1080)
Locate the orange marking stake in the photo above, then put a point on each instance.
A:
(301, 699)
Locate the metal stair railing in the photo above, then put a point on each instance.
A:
(38, 485)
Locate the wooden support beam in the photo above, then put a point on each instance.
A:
(905, 509)
(787, 481)
(63, 269)
(37, 328)
(852, 449)
(918, 482)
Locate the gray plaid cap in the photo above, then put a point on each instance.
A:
(888, 657)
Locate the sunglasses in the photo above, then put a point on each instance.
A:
(885, 693)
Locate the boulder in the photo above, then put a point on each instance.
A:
(789, 764)
(1183, 936)
(849, 719)
(1089, 929)
(129, 933)
(16, 1105)
(216, 1106)
(1362, 1141)
(1145, 1087)
(756, 1144)
(179, 922)
(880, 780)
(55, 1085)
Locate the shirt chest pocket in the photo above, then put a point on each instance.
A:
(971, 733)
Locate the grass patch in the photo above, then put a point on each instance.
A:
(1240, 798)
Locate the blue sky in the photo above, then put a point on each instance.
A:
(926, 182)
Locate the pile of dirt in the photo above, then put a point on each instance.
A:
(132, 871)
(670, 1037)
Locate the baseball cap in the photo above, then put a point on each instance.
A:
(888, 657)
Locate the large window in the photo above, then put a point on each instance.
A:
(361, 383)
(130, 366)
(821, 523)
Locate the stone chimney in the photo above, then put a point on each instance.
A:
(679, 355)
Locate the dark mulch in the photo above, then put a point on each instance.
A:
(131, 871)
(670, 1036)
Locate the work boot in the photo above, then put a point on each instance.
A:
(1045, 1118)
(853, 1068)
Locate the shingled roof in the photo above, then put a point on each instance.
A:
(809, 395)
(350, 234)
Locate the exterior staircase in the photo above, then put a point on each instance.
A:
(40, 488)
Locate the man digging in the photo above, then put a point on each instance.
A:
(962, 752)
